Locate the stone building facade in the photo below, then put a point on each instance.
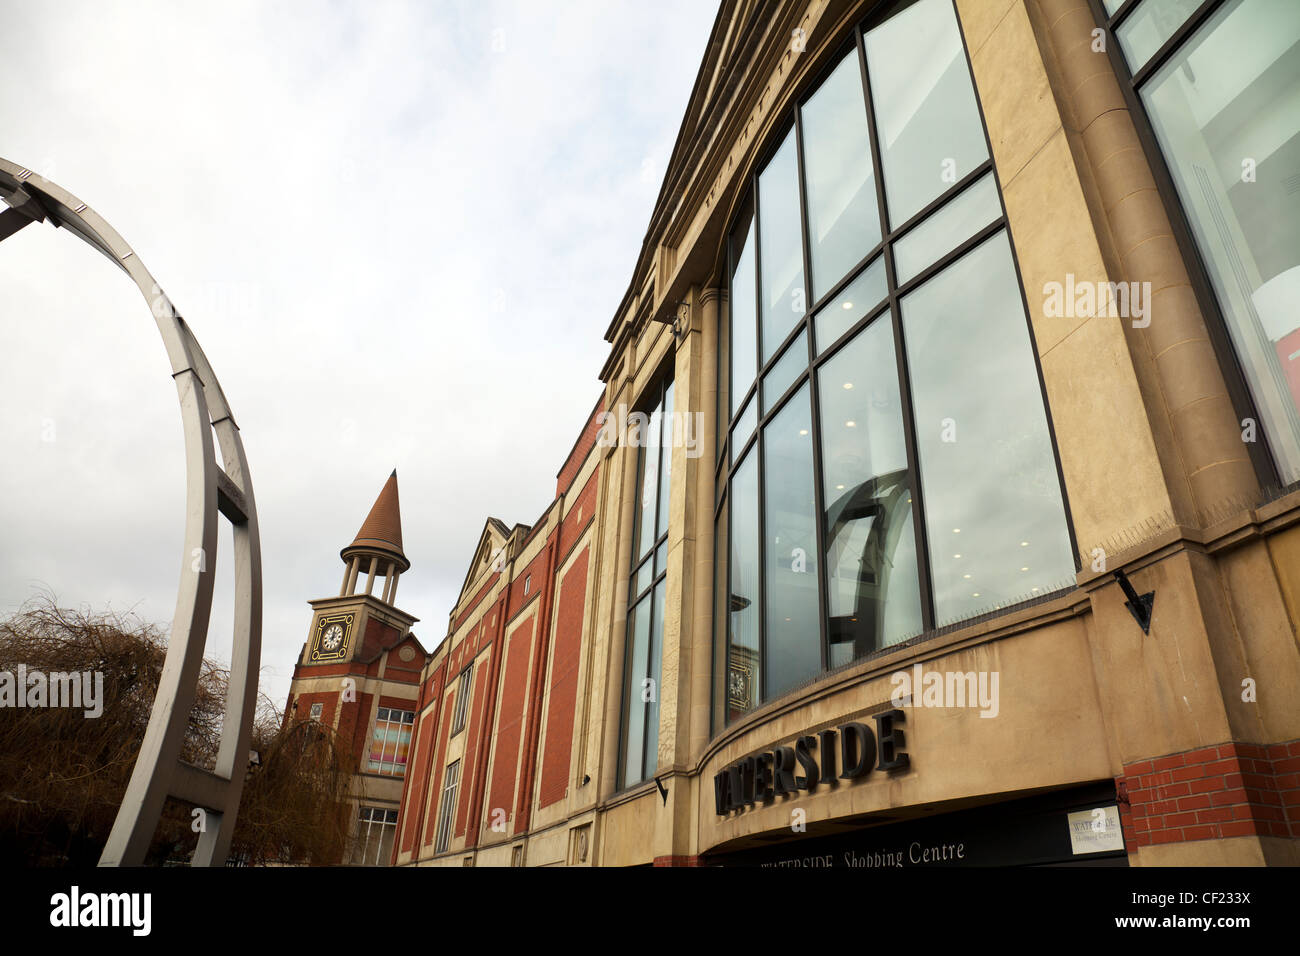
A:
(940, 506)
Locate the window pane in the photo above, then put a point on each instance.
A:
(744, 673)
(1232, 93)
(719, 714)
(994, 515)
(642, 577)
(744, 315)
(927, 121)
(666, 459)
(744, 427)
(633, 706)
(1145, 30)
(857, 299)
(647, 481)
(655, 675)
(947, 228)
(873, 588)
(782, 375)
(661, 559)
(793, 627)
(780, 246)
(843, 218)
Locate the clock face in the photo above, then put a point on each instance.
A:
(332, 637)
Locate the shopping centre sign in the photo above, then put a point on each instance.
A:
(812, 760)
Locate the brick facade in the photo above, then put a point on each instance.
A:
(564, 683)
(1230, 790)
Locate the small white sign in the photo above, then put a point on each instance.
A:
(1095, 831)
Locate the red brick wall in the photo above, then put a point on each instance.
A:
(378, 636)
(469, 762)
(564, 683)
(469, 608)
(536, 569)
(415, 792)
(328, 670)
(580, 513)
(444, 732)
(505, 760)
(354, 725)
(396, 669)
(329, 700)
(1229, 790)
(586, 441)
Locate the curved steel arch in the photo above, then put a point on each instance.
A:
(210, 489)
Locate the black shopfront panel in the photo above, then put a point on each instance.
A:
(1032, 831)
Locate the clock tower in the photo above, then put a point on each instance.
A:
(359, 674)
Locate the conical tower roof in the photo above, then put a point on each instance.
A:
(381, 532)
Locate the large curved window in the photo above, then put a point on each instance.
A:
(886, 465)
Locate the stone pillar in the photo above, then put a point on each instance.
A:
(1145, 428)
(1175, 349)
(712, 313)
(370, 581)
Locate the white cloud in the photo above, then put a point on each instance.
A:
(398, 245)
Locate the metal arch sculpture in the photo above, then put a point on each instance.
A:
(210, 489)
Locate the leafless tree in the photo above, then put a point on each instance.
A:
(63, 773)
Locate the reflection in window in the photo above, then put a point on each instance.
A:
(948, 228)
(850, 304)
(872, 585)
(791, 565)
(744, 672)
(1226, 112)
(1150, 25)
(745, 425)
(780, 239)
(722, 712)
(783, 373)
(744, 313)
(390, 744)
(647, 497)
(927, 122)
(993, 507)
(843, 219)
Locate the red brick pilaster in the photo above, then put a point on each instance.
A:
(1228, 790)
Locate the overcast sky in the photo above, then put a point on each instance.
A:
(399, 231)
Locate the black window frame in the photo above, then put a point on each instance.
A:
(460, 708)
(447, 807)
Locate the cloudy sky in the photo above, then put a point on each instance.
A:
(398, 230)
